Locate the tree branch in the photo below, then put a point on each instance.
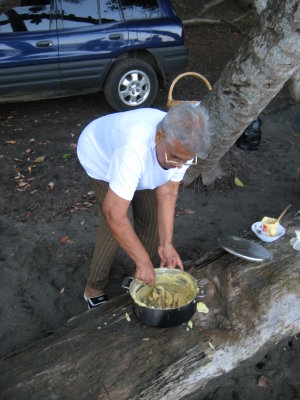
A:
(196, 21)
(209, 5)
(232, 24)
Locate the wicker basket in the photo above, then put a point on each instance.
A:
(171, 102)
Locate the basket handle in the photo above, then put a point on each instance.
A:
(195, 74)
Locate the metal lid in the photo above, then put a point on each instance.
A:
(244, 248)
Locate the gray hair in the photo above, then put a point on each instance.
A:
(188, 124)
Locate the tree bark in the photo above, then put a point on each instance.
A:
(259, 5)
(265, 61)
(102, 356)
(294, 81)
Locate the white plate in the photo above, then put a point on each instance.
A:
(261, 234)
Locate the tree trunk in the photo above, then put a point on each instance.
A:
(259, 5)
(102, 356)
(265, 61)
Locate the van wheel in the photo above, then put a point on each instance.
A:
(131, 84)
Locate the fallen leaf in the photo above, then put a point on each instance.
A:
(211, 346)
(22, 184)
(62, 290)
(64, 239)
(50, 185)
(67, 155)
(184, 211)
(238, 182)
(292, 144)
(10, 142)
(34, 191)
(40, 159)
(264, 382)
(22, 189)
(19, 175)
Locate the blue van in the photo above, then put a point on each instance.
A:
(55, 48)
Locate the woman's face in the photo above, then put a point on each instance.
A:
(171, 155)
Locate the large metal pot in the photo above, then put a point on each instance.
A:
(181, 282)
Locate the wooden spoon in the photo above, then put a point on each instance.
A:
(283, 212)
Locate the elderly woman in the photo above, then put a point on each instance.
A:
(138, 157)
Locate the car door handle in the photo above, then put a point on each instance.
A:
(44, 43)
(116, 36)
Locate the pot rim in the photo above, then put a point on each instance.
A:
(162, 270)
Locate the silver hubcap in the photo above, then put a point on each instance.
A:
(134, 88)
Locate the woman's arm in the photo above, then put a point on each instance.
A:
(115, 211)
(166, 201)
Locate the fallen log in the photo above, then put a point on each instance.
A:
(100, 355)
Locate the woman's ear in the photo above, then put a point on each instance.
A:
(158, 137)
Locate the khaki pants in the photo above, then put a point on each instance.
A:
(144, 210)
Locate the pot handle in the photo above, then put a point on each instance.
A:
(126, 282)
(202, 292)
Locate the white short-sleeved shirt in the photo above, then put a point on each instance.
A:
(120, 149)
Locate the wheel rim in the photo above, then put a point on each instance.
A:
(134, 88)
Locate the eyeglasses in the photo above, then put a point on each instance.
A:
(178, 161)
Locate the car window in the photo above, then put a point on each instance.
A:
(80, 13)
(109, 11)
(143, 9)
(25, 16)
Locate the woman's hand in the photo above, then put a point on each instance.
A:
(146, 274)
(169, 257)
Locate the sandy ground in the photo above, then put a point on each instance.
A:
(48, 220)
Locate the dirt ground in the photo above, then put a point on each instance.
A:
(48, 221)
